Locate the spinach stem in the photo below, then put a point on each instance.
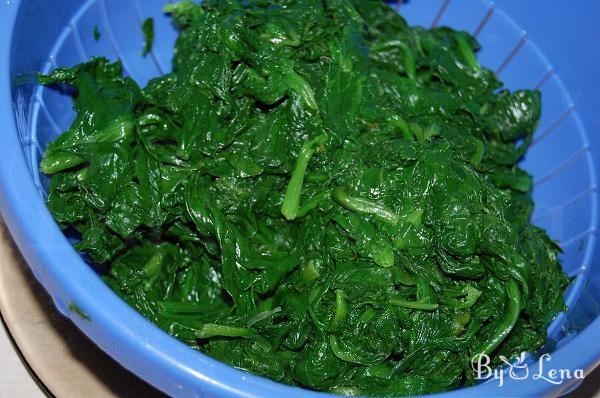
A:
(311, 204)
(366, 317)
(401, 124)
(317, 178)
(212, 329)
(57, 161)
(506, 323)
(291, 201)
(341, 309)
(154, 265)
(364, 206)
(152, 270)
(309, 272)
(409, 62)
(477, 156)
(466, 51)
(415, 305)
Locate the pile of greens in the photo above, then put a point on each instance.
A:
(318, 193)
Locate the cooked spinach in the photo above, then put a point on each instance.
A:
(148, 31)
(96, 33)
(318, 194)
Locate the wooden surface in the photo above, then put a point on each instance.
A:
(61, 358)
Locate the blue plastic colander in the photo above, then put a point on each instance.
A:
(549, 45)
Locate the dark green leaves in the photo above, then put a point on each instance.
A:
(148, 30)
(317, 193)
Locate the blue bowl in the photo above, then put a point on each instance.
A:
(533, 44)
